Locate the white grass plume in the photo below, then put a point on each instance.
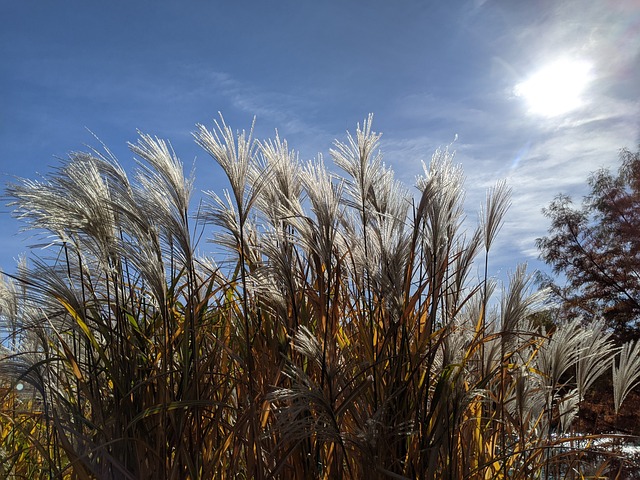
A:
(362, 161)
(74, 201)
(441, 203)
(595, 355)
(626, 372)
(164, 192)
(280, 198)
(493, 212)
(234, 154)
(560, 352)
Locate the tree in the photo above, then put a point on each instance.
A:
(596, 247)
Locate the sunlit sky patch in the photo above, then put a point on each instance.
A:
(556, 88)
(427, 70)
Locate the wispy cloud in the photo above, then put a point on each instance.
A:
(272, 107)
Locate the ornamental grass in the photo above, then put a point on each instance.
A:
(300, 324)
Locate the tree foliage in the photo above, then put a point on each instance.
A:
(596, 247)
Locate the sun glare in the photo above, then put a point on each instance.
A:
(556, 88)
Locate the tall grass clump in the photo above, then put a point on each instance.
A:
(338, 329)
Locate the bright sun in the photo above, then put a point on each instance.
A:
(556, 88)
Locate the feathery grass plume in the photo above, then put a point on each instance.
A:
(9, 310)
(626, 374)
(526, 402)
(493, 212)
(568, 409)
(279, 200)
(595, 356)
(324, 193)
(462, 287)
(378, 240)
(491, 218)
(438, 218)
(223, 213)
(388, 257)
(520, 399)
(164, 193)
(280, 197)
(557, 355)
(321, 236)
(440, 208)
(358, 158)
(74, 202)
(19, 343)
(376, 226)
(517, 304)
(235, 155)
(560, 352)
(281, 258)
(139, 238)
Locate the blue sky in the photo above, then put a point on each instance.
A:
(427, 70)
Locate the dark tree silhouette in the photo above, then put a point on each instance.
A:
(596, 248)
